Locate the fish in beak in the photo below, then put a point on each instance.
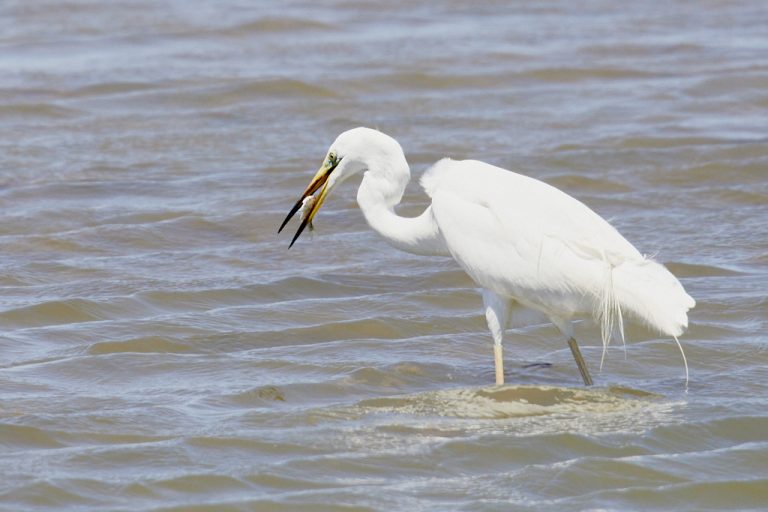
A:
(308, 204)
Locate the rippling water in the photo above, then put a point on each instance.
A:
(161, 348)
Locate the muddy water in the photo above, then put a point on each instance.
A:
(161, 348)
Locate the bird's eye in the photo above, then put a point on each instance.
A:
(332, 158)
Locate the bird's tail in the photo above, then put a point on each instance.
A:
(648, 292)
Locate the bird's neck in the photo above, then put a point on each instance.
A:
(380, 191)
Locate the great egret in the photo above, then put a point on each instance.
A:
(530, 246)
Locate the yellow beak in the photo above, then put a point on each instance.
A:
(320, 180)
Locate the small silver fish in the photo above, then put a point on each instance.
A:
(306, 206)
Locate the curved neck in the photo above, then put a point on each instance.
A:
(381, 189)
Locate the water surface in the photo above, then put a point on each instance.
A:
(163, 350)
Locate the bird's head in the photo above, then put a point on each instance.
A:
(352, 152)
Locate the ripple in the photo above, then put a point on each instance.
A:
(47, 494)
(511, 401)
(278, 25)
(37, 110)
(681, 269)
(260, 90)
(146, 344)
(667, 142)
(743, 197)
(111, 88)
(258, 397)
(711, 495)
(16, 437)
(51, 313)
(564, 74)
(585, 183)
(201, 483)
(254, 447)
(431, 82)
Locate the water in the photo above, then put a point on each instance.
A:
(162, 350)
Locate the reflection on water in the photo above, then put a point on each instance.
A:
(161, 348)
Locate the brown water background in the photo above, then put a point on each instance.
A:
(161, 349)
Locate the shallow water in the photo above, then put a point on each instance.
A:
(162, 350)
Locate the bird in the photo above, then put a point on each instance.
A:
(530, 247)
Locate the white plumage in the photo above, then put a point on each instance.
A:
(526, 243)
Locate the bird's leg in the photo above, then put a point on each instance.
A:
(580, 361)
(566, 327)
(496, 314)
(498, 361)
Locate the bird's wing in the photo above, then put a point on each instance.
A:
(519, 236)
(524, 203)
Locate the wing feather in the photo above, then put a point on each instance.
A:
(523, 238)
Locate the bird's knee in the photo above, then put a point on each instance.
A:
(493, 320)
(494, 325)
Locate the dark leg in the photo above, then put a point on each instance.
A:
(580, 361)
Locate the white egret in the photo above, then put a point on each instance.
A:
(528, 245)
